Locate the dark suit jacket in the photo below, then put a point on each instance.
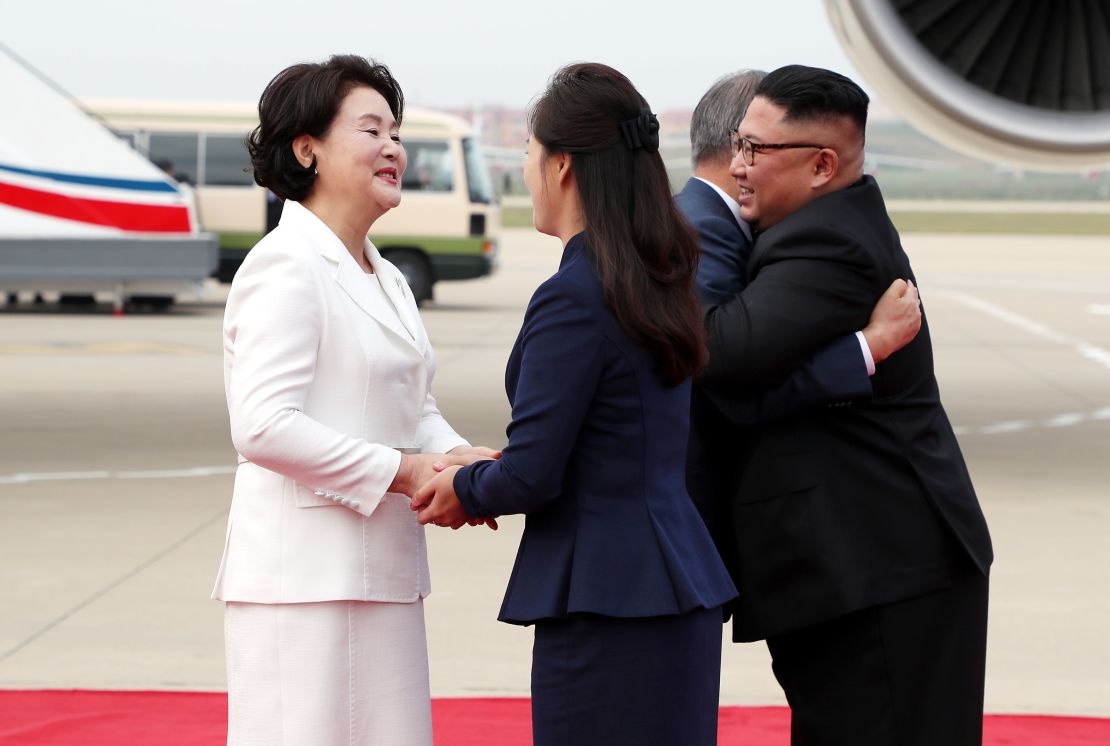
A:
(725, 245)
(836, 373)
(595, 459)
(839, 508)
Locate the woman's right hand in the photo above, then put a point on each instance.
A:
(417, 469)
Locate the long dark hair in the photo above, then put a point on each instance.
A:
(644, 251)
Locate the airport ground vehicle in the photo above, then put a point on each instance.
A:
(80, 212)
(446, 228)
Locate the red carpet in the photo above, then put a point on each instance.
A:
(92, 718)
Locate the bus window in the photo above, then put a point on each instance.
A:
(447, 229)
(477, 177)
(226, 162)
(180, 150)
(429, 167)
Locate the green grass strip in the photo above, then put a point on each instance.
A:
(1024, 223)
(1028, 223)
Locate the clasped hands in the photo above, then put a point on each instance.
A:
(429, 479)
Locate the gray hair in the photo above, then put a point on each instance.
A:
(720, 110)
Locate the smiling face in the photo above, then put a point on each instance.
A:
(360, 159)
(779, 182)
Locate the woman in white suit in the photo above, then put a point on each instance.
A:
(328, 371)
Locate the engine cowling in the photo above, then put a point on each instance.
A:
(1020, 82)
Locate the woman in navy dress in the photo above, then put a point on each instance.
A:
(615, 568)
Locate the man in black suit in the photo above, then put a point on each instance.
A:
(860, 550)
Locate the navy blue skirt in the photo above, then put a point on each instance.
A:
(646, 681)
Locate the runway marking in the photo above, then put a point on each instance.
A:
(1085, 349)
(66, 476)
(1070, 419)
(945, 280)
(1099, 309)
(1092, 352)
(103, 348)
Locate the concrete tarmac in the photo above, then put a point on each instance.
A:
(115, 478)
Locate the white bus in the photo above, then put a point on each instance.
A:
(445, 229)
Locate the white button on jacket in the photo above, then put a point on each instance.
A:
(325, 376)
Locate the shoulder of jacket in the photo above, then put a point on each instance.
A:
(278, 259)
(573, 291)
(282, 247)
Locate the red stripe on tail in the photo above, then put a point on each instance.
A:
(127, 216)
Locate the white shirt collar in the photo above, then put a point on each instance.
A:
(732, 205)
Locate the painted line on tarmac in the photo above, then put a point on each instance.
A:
(1087, 350)
(945, 280)
(1092, 352)
(66, 476)
(101, 349)
(1069, 419)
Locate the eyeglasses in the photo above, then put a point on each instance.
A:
(748, 148)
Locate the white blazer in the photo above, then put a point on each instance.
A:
(324, 381)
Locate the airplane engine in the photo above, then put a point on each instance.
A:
(1020, 82)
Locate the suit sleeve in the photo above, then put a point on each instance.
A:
(722, 263)
(562, 357)
(272, 331)
(810, 288)
(433, 433)
(835, 375)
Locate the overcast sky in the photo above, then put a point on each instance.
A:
(446, 54)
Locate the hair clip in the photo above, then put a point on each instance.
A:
(641, 131)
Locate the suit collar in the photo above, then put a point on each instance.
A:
(718, 200)
(394, 313)
(575, 247)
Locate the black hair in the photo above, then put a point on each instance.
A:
(303, 99)
(645, 252)
(813, 93)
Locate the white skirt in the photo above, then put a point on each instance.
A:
(328, 674)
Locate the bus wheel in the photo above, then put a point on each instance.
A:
(416, 271)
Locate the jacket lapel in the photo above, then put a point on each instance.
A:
(356, 284)
(352, 280)
(393, 283)
(712, 202)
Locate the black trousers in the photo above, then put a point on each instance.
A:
(908, 673)
(649, 681)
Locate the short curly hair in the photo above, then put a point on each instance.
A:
(303, 99)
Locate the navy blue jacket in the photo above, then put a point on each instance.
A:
(724, 244)
(596, 461)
